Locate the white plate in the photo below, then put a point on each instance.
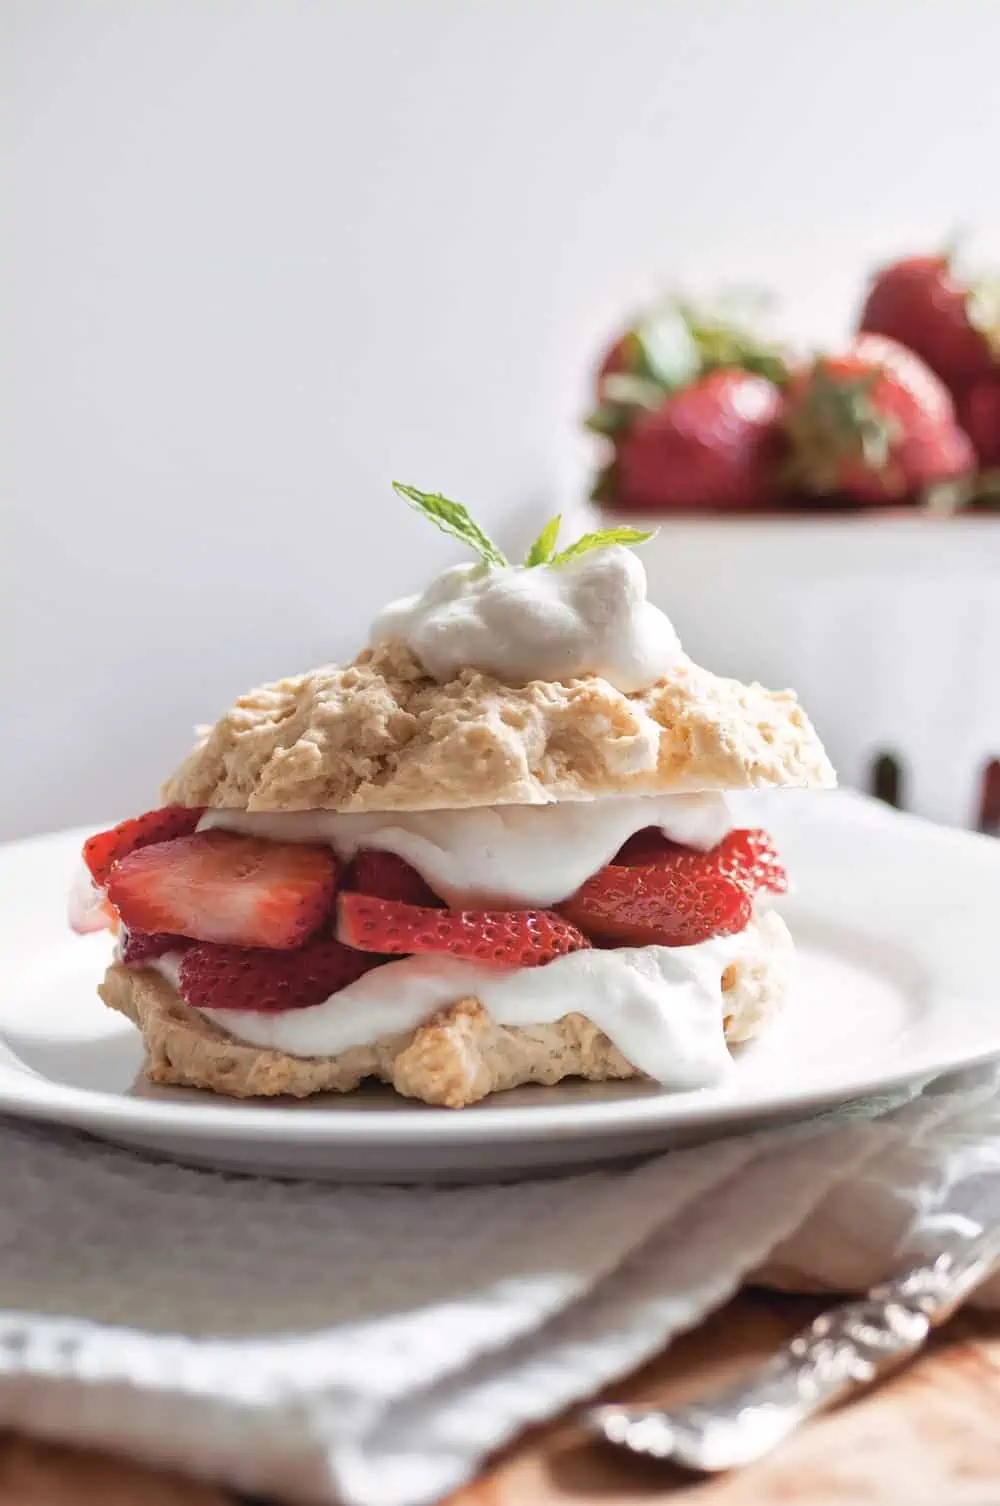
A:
(897, 924)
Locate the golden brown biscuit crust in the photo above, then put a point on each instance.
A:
(457, 1058)
(380, 735)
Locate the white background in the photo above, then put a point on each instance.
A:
(259, 256)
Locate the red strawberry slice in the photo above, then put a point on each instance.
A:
(750, 856)
(387, 876)
(660, 905)
(101, 852)
(143, 946)
(645, 848)
(216, 886)
(233, 977)
(659, 893)
(747, 855)
(514, 938)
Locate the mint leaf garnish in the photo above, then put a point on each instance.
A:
(670, 353)
(452, 518)
(625, 389)
(601, 540)
(544, 546)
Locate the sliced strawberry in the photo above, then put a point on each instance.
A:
(101, 852)
(387, 876)
(645, 848)
(215, 886)
(659, 893)
(750, 856)
(142, 946)
(745, 854)
(233, 977)
(515, 938)
(674, 904)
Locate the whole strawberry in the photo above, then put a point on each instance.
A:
(979, 410)
(872, 424)
(713, 445)
(952, 324)
(667, 349)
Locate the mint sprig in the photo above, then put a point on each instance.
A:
(544, 546)
(452, 518)
(543, 550)
(603, 539)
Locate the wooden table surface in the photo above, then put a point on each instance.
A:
(928, 1437)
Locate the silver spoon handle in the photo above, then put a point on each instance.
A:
(842, 1351)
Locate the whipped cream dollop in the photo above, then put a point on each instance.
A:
(86, 904)
(508, 855)
(661, 1006)
(548, 622)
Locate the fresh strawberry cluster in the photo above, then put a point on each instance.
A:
(953, 324)
(704, 415)
(277, 925)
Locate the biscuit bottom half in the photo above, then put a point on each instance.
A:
(457, 1057)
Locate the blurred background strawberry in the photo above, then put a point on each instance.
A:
(690, 399)
(953, 324)
(952, 321)
(808, 489)
(873, 424)
(713, 444)
(702, 412)
(979, 410)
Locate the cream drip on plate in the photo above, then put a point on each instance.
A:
(661, 1006)
(511, 855)
(589, 616)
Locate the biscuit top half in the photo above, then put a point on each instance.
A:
(381, 734)
(504, 684)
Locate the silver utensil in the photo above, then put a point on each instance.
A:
(844, 1350)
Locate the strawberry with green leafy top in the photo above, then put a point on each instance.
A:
(669, 349)
(873, 424)
(691, 402)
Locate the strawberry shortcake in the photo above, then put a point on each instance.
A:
(494, 850)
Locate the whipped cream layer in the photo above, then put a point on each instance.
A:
(515, 856)
(589, 616)
(661, 1006)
